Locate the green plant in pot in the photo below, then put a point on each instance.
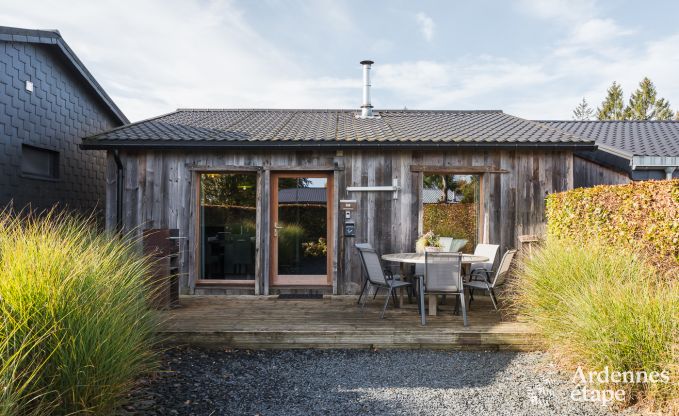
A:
(315, 249)
(428, 242)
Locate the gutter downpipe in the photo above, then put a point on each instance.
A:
(119, 191)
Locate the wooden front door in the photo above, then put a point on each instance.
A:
(301, 229)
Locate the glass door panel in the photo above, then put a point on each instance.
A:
(228, 215)
(300, 229)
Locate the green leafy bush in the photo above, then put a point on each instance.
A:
(452, 220)
(641, 216)
(597, 305)
(75, 329)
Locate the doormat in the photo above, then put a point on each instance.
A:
(301, 296)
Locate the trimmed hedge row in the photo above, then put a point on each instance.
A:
(642, 216)
(452, 220)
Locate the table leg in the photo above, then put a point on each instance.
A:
(432, 305)
(400, 291)
(420, 295)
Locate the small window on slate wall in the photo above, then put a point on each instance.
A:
(39, 163)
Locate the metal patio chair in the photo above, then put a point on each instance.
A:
(378, 277)
(448, 244)
(485, 250)
(488, 284)
(360, 246)
(443, 276)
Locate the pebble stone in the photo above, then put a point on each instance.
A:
(355, 382)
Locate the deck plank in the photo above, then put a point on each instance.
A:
(265, 322)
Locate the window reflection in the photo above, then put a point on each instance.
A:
(302, 218)
(228, 215)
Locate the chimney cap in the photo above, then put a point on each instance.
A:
(367, 62)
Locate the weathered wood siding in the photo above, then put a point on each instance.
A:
(160, 191)
(586, 174)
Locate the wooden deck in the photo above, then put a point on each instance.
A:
(257, 322)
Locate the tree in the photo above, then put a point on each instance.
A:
(662, 110)
(583, 111)
(676, 116)
(644, 104)
(454, 188)
(613, 107)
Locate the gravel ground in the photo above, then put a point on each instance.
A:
(356, 382)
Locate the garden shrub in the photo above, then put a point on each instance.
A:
(599, 306)
(75, 327)
(602, 290)
(641, 216)
(452, 220)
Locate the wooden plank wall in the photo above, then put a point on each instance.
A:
(587, 174)
(160, 191)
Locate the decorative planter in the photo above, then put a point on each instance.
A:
(431, 249)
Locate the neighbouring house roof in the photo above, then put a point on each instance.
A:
(334, 128)
(644, 144)
(636, 138)
(302, 195)
(53, 38)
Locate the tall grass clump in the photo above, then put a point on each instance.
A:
(597, 307)
(75, 327)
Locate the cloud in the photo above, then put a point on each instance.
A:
(598, 31)
(173, 53)
(426, 25)
(565, 11)
(464, 83)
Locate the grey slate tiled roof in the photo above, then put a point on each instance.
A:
(332, 127)
(637, 138)
(53, 38)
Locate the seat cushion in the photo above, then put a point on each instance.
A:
(457, 244)
(445, 243)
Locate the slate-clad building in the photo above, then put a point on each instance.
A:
(48, 102)
(632, 150)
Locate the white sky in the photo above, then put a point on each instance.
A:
(531, 58)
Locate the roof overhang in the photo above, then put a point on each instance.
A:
(202, 145)
(637, 167)
(654, 162)
(615, 151)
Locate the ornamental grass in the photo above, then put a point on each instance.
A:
(75, 326)
(599, 306)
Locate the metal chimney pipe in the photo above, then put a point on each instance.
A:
(366, 107)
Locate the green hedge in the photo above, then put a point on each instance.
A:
(642, 216)
(452, 220)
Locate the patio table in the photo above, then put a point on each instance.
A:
(415, 258)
